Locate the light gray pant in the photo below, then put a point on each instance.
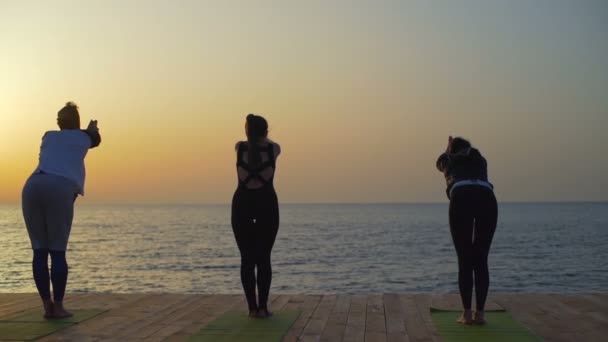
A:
(48, 209)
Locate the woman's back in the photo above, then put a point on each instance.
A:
(259, 175)
(463, 165)
(62, 153)
(468, 164)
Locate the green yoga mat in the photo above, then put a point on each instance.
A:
(500, 327)
(30, 325)
(28, 331)
(235, 326)
(36, 316)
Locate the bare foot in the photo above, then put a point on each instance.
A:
(60, 312)
(478, 318)
(48, 308)
(253, 314)
(466, 317)
(264, 313)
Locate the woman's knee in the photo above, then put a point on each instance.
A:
(58, 259)
(263, 262)
(41, 256)
(480, 264)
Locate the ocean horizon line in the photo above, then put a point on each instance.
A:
(177, 204)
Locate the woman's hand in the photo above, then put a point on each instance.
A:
(93, 126)
(93, 132)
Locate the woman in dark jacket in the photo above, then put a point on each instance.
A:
(473, 215)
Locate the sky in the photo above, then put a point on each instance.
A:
(361, 95)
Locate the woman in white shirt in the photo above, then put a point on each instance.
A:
(48, 203)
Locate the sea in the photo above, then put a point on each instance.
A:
(320, 249)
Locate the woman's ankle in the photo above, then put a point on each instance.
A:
(264, 312)
(49, 307)
(466, 317)
(479, 318)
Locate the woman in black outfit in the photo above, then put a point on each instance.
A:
(473, 215)
(255, 212)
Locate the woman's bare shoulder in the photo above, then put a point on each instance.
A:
(238, 143)
(276, 147)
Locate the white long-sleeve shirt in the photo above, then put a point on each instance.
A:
(62, 153)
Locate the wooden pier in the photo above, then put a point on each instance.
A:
(383, 317)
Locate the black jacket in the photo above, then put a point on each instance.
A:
(466, 164)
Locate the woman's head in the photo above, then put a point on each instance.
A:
(68, 117)
(256, 127)
(458, 144)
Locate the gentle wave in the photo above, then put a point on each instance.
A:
(333, 248)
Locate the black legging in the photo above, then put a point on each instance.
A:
(255, 222)
(59, 273)
(473, 216)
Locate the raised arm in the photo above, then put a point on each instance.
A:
(444, 158)
(93, 132)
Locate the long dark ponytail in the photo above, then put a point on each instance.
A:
(257, 128)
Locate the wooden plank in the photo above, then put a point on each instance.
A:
(88, 328)
(375, 320)
(423, 304)
(318, 320)
(390, 317)
(336, 323)
(355, 323)
(150, 326)
(450, 301)
(209, 310)
(395, 319)
(586, 302)
(294, 303)
(308, 306)
(415, 327)
(12, 304)
(524, 310)
(157, 307)
(115, 323)
(491, 304)
(176, 322)
(279, 302)
(598, 298)
(571, 318)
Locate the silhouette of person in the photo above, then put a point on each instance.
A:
(473, 215)
(48, 203)
(255, 212)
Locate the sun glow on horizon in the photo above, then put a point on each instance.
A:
(361, 97)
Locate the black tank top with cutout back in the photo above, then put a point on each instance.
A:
(254, 172)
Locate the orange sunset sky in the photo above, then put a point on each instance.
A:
(361, 95)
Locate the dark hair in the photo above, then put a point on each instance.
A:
(68, 116)
(458, 144)
(257, 128)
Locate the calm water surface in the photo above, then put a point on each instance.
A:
(324, 248)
